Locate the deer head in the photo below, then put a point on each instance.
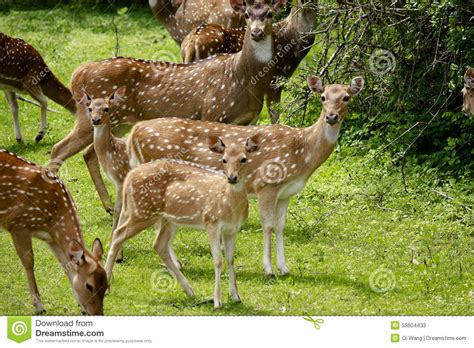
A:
(234, 156)
(335, 98)
(258, 15)
(98, 109)
(89, 281)
(468, 92)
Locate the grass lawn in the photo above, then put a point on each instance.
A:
(358, 241)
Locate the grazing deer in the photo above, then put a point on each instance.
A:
(210, 39)
(294, 37)
(171, 193)
(111, 151)
(226, 88)
(179, 17)
(35, 203)
(277, 172)
(23, 70)
(468, 92)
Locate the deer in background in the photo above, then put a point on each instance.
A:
(468, 92)
(277, 172)
(169, 193)
(294, 37)
(34, 203)
(23, 71)
(226, 88)
(111, 151)
(179, 17)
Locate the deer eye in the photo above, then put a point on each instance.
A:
(247, 16)
(89, 287)
(106, 109)
(346, 98)
(323, 98)
(243, 160)
(270, 14)
(90, 109)
(224, 161)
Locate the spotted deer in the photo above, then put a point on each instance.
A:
(34, 203)
(226, 88)
(23, 71)
(277, 172)
(468, 92)
(179, 17)
(294, 37)
(169, 193)
(209, 39)
(111, 151)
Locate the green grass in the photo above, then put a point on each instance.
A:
(355, 216)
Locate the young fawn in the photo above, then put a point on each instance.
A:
(111, 151)
(34, 203)
(277, 172)
(171, 193)
(23, 70)
(224, 88)
(294, 37)
(179, 17)
(468, 92)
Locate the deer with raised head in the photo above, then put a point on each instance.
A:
(23, 71)
(468, 92)
(179, 17)
(34, 203)
(111, 151)
(280, 170)
(225, 88)
(169, 193)
(294, 37)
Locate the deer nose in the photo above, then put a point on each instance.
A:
(232, 179)
(332, 118)
(257, 34)
(96, 121)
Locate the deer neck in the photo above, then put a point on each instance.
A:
(321, 139)
(103, 139)
(254, 57)
(237, 198)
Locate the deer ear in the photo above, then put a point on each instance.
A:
(82, 98)
(238, 5)
(253, 143)
(215, 144)
(118, 95)
(97, 249)
(76, 252)
(316, 84)
(357, 84)
(469, 78)
(279, 4)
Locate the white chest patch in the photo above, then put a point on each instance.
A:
(331, 134)
(263, 49)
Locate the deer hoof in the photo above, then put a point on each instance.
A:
(19, 140)
(284, 270)
(39, 137)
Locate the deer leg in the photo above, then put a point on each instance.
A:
(267, 217)
(37, 94)
(282, 207)
(13, 103)
(77, 140)
(273, 96)
(92, 162)
(24, 249)
(215, 241)
(117, 212)
(162, 249)
(229, 244)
